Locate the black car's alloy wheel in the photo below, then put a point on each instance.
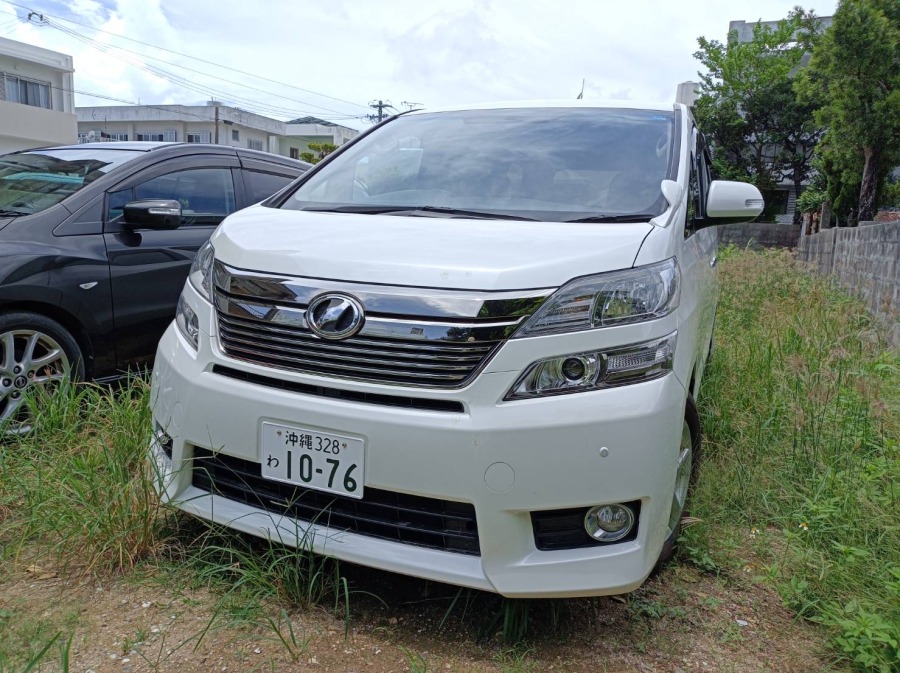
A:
(34, 351)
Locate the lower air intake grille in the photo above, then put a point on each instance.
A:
(425, 522)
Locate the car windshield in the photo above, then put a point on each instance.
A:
(548, 164)
(33, 181)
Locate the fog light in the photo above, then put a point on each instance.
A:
(608, 523)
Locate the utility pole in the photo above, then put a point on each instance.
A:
(217, 124)
(381, 106)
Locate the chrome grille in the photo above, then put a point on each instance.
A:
(411, 336)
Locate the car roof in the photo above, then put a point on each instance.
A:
(556, 103)
(180, 149)
(140, 146)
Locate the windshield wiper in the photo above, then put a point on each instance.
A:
(12, 213)
(480, 214)
(415, 210)
(630, 217)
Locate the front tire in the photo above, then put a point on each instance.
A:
(34, 351)
(685, 477)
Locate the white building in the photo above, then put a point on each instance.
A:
(37, 102)
(211, 123)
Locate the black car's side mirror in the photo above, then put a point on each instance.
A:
(152, 214)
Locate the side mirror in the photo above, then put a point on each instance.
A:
(732, 202)
(152, 214)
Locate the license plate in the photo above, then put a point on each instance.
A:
(317, 460)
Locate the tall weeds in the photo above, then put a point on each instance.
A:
(800, 409)
(77, 485)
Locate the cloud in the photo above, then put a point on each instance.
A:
(442, 52)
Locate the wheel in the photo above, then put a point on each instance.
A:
(34, 351)
(685, 476)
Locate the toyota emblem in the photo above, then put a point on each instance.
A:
(335, 316)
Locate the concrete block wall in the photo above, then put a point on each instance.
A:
(760, 235)
(866, 261)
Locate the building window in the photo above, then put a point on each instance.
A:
(101, 137)
(295, 153)
(164, 137)
(254, 144)
(235, 135)
(27, 91)
(203, 137)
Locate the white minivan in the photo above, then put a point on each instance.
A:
(464, 347)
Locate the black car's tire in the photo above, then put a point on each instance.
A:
(687, 476)
(34, 350)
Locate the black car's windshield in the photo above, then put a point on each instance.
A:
(33, 181)
(549, 164)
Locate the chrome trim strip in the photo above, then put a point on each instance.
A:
(383, 300)
(387, 328)
(412, 337)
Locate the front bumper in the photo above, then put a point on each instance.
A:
(552, 448)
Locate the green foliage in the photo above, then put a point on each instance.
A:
(810, 200)
(79, 481)
(694, 548)
(869, 640)
(854, 74)
(890, 197)
(801, 412)
(318, 152)
(758, 129)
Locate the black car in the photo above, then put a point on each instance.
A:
(90, 274)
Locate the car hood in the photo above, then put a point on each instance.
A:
(453, 253)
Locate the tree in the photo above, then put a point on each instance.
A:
(758, 129)
(855, 69)
(319, 152)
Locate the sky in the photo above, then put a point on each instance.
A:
(331, 59)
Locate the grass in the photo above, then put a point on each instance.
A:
(79, 485)
(798, 488)
(800, 412)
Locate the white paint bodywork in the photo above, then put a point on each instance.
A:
(552, 444)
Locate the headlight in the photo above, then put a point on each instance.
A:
(188, 323)
(633, 295)
(594, 370)
(201, 270)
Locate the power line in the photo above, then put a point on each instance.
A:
(194, 58)
(131, 102)
(111, 49)
(172, 78)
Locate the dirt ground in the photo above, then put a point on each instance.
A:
(679, 622)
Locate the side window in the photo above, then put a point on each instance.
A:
(115, 203)
(703, 171)
(206, 194)
(698, 185)
(694, 203)
(263, 185)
